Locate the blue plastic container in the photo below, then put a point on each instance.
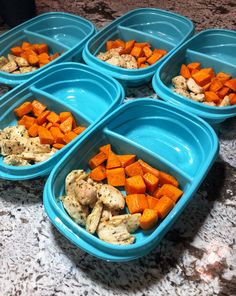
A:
(212, 48)
(162, 29)
(86, 93)
(162, 135)
(64, 33)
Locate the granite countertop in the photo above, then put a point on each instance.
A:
(196, 257)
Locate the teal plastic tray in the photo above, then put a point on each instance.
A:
(162, 135)
(86, 93)
(213, 49)
(162, 29)
(63, 32)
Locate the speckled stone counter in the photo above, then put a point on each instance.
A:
(198, 255)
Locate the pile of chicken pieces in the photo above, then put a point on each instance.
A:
(18, 149)
(15, 65)
(114, 58)
(190, 89)
(96, 206)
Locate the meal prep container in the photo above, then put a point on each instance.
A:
(86, 93)
(167, 138)
(64, 33)
(212, 48)
(162, 29)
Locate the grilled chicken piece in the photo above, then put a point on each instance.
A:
(34, 146)
(130, 61)
(14, 132)
(179, 82)
(37, 157)
(111, 197)
(78, 212)
(194, 87)
(84, 192)
(209, 103)
(15, 160)
(72, 177)
(114, 232)
(25, 69)
(132, 222)
(109, 54)
(9, 147)
(225, 102)
(21, 62)
(9, 67)
(197, 97)
(182, 92)
(3, 61)
(116, 61)
(94, 218)
(11, 57)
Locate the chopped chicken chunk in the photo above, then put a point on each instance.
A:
(84, 192)
(72, 177)
(3, 61)
(25, 69)
(225, 102)
(197, 97)
(111, 197)
(94, 218)
(182, 92)
(21, 62)
(15, 160)
(194, 87)
(129, 61)
(132, 222)
(179, 82)
(115, 232)
(78, 212)
(9, 67)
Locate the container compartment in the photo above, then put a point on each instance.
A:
(124, 131)
(66, 30)
(81, 108)
(126, 34)
(165, 26)
(140, 25)
(64, 33)
(55, 186)
(82, 89)
(192, 51)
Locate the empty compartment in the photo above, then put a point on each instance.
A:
(64, 28)
(175, 137)
(82, 89)
(220, 44)
(127, 34)
(164, 25)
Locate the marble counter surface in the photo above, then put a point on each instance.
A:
(196, 257)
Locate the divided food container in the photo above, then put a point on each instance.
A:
(86, 93)
(64, 33)
(159, 133)
(162, 29)
(213, 49)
